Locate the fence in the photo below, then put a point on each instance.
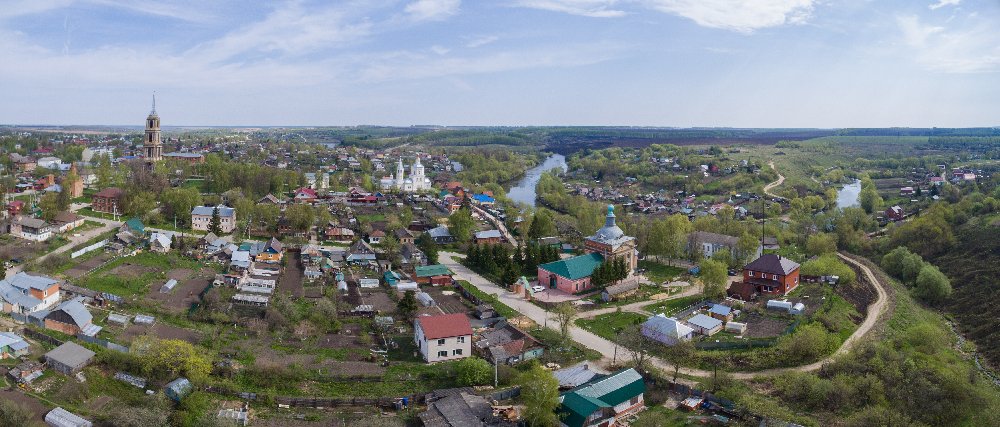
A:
(38, 336)
(506, 394)
(382, 402)
(103, 343)
(95, 246)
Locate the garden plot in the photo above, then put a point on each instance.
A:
(82, 268)
(765, 327)
(291, 278)
(447, 303)
(131, 271)
(180, 298)
(161, 331)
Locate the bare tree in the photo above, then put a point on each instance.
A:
(564, 312)
(638, 347)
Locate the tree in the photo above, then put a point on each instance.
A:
(390, 246)
(460, 224)
(215, 224)
(15, 414)
(725, 256)
(822, 243)
(932, 285)
(473, 371)
(869, 198)
(564, 312)
(166, 358)
(49, 204)
(407, 305)
(829, 265)
(300, 217)
(429, 248)
(178, 203)
(138, 202)
(637, 346)
(540, 394)
(542, 225)
(714, 275)
(746, 248)
(510, 274)
(679, 354)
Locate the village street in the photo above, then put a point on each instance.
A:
(608, 349)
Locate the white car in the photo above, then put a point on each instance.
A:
(537, 289)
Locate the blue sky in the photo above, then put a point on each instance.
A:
(745, 63)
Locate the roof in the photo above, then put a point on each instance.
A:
(488, 234)
(184, 155)
(667, 326)
(30, 222)
(66, 217)
(439, 231)
(576, 267)
(135, 224)
(445, 326)
(773, 264)
(163, 239)
(483, 198)
(605, 392)
(721, 310)
(309, 192)
(224, 211)
(60, 417)
(705, 322)
(9, 338)
(622, 287)
(574, 376)
(275, 245)
(456, 407)
(75, 309)
(110, 192)
(70, 354)
(25, 281)
(15, 296)
(432, 270)
(714, 238)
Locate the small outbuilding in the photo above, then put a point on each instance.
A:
(69, 358)
(721, 312)
(705, 325)
(178, 389)
(736, 327)
(60, 417)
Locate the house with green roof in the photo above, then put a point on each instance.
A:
(135, 226)
(604, 400)
(436, 275)
(570, 275)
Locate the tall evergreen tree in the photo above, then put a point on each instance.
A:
(215, 224)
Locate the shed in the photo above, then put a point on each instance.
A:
(736, 327)
(666, 330)
(621, 290)
(118, 319)
(342, 286)
(178, 389)
(368, 283)
(142, 319)
(692, 403)
(169, 286)
(425, 299)
(705, 325)
(407, 286)
(60, 417)
(69, 358)
(721, 312)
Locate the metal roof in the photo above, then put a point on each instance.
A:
(576, 267)
(705, 322)
(70, 354)
(224, 211)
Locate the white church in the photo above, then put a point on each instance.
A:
(399, 182)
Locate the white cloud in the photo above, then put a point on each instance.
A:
(430, 10)
(943, 3)
(480, 41)
(440, 50)
(971, 48)
(737, 15)
(589, 8)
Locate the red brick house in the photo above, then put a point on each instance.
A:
(107, 200)
(772, 274)
(895, 213)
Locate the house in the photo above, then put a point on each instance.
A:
(742, 291)
(24, 293)
(436, 275)
(65, 221)
(620, 290)
(160, 242)
(34, 229)
(508, 345)
(603, 401)
(25, 372)
(666, 330)
(71, 317)
(60, 417)
(187, 157)
(490, 237)
(360, 253)
(404, 236)
(411, 257)
(441, 235)
(376, 236)
(270, 199)
(460, 407)
(721, 312)
(178, 389)
(12, 345)
(772, 274)
(271, 253)
(69, 358)
(570, 275)
(443, 337)
(895, 213)
(339, 234)
(705, 325)
(107, 200)
(575, 376)
(709, 243)
(305, 195)
(240, 260)
(201, 218)
(483, 200)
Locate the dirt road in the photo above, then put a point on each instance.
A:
(770, 186)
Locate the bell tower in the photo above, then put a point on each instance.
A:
(152, 146)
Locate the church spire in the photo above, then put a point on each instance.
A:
(153, 112)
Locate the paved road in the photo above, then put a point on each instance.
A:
(607, 348)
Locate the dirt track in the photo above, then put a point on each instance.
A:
(771, 185)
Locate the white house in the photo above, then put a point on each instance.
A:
(666, 330)
(24, 293)
(34, 229)
(443, 337)
(201, 217)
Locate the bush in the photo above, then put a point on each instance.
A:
(474, 371)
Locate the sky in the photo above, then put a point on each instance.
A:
(716, 63)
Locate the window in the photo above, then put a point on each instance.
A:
(751, 274)
(441, 342)
(456, 352)
(443, 353)
(461, 339)
(633, 401)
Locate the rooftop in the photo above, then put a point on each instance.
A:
(773, 264)
(576, 267)
(70, 354)
(445, 326)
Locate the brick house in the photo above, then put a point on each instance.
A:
(772, 274)
(107, 200)
(570, 275)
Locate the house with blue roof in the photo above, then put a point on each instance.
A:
(483, 200)
(12, 345)
(603, 401)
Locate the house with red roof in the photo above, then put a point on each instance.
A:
(443, 337)
(305, 195)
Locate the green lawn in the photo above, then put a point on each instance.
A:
(501, 308)
(371, 218)
(659, 273)
(609, 325)
(660, 416)
(668, 307)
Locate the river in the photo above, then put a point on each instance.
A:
(849, 195)
(524, 191)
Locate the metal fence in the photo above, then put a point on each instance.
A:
(103, 343)
(38, 336)
(95, 246)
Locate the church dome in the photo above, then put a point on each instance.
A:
(610, 231)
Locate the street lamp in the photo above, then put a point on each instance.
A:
(614, 359)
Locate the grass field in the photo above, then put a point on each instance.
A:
(668, 307)
(660, 273)
(501, 308)
(609, 325)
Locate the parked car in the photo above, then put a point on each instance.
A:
(537, 288)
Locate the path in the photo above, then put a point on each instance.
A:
(770, 186)
(74, 240)
(636, 307)
(608, 349)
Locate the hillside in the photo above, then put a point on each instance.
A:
(974, 268)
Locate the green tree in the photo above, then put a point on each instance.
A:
(540, 394)
(473, 371)
(300, 217)
(49, 204)
(542, 225)
(390, 247)
(714, 275)
(564, 313)
(821, 243)
(932, 285)
(429, 248)
(460, 224)
(138, 202)
(746, 248)
(215, 224)
(725, 256)
(178, 202)
(168, 358)
(407, 305)
(869, 198)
